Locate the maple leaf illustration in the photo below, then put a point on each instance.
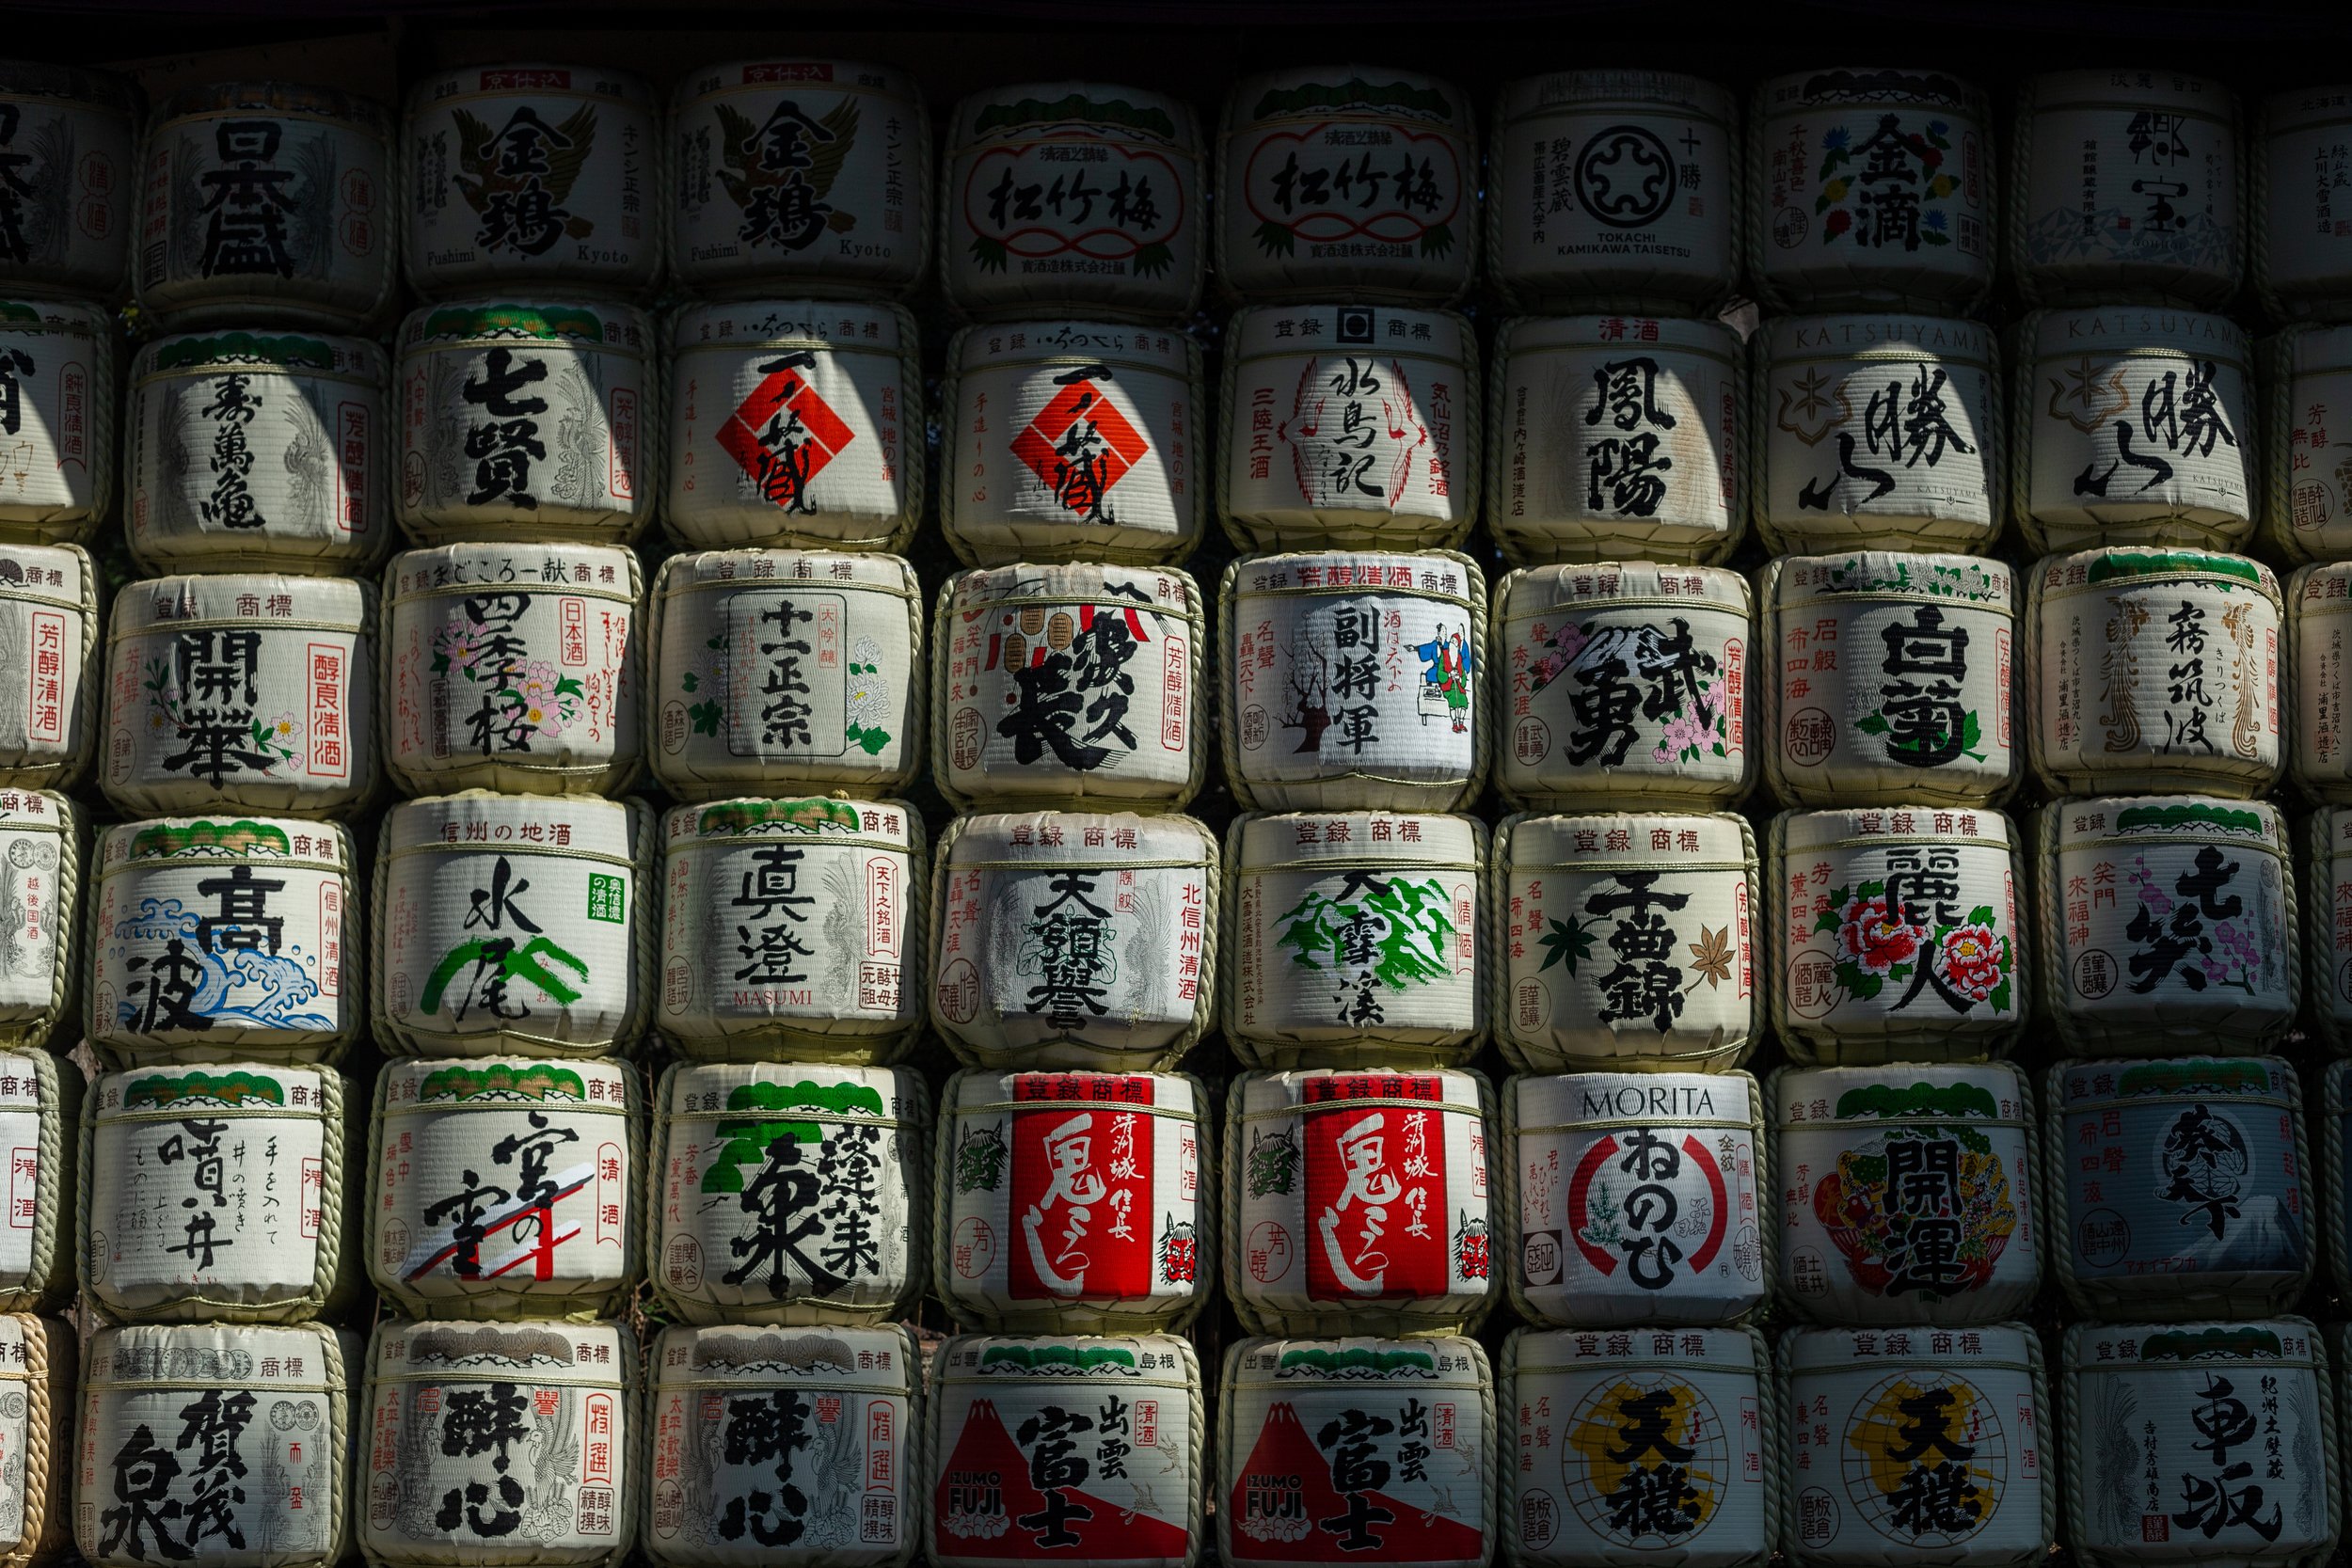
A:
(1710, 957)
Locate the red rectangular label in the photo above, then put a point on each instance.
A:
(624, 443)
(44, 718)
(351, 439)
(330, 738)
(1081, 1187)
(575, 638)
(1376, 1220)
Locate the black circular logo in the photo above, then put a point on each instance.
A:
(1626, 177)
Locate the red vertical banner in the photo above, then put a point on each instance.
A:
(1376, 1213)
(1082, 1205)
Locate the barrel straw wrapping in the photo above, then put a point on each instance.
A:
(2325, 870)
(1614, 189)
(1017, 231)
(1930, 641)
(1380, 1179)
(1073, 939)
(49, 616)
(794, 421)
(528, 419)
(40, 1119)
(1074, 441)
(1422, 1491)
(790, 1194)
(793, 930)
(247, 692)
(1907, 1194)
(218, 1195)
(2303, 479)
(1896, 934)
(1585, 1411)
(259, 451)
(2154, 669)
(2332, 1131)
(1632, 1199)
(1355, 939)
(38, 1356)
(1350, 424)
(2319, 676)
(1879, 432)
(733, 1487)
(74, 132)
(2299, 262)
(513, 924)
(858, 652)
(40, 915)
(2124, 182)
(1938, 1434)
(1654, 464)
(814, 174)
(1375, 660)
(223, 939)
(532, 1426)
(2179, 1188)
(1067, 686)
(539, 175)
(2200, 1443)
(2133, 425)
(1624, 942)
(506, 1188)
(270, 201)
(1075, 1201)
(2168, 924)
(208, 1430)
(58, 484)
(1623, 683)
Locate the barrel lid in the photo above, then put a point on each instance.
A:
(1444, 1360)
(1873, 1351)
(514, 569)
(255, 1089)
(211, 840)
(1962, 579)
(2192, 818)
(20, 1082)
(2060, 89)
(2291, 109)
(283, 98)
(2134, 328)
(101, 89)
(1604, 1099)
(761, 324)
(2107, 1347)
(1048, 838)
(1441, 575)
(1534, 591)
(1330, 328)
(303, 604)
(876, 824)
(2253, 1078)
(1622, 334)
(592, 1353)
(475, 1082)
(1613, 838)
(1839, 86)
(1804, 831)
(980, 1090)
(68, 316)
(1029, 342)
(1987, 1093)
(2087, 569)
(1301, 841)
(291, 350)
(57, 571)
(1602, 1350)
(753, 1088)
(1360, 91)
(729, 76)
(523, 78)
(1879, 334)
(481, 822)
(881, 1360)
(833, 570)
(1167, 589)
(979, 1358)
(579, 324)
(1096, 108)
(1277, 1093)
(35, 811)
(1567, 90)
(262, 1358)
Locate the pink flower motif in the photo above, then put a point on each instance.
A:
(1875, 937)
(540, 708)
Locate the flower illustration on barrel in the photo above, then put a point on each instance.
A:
(1965, 962)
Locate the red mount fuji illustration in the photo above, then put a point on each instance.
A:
(985, 1448)
(1284, 1451)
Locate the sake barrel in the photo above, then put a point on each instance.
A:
(1652, 465)
(794, 421)
(1381, 1178)
(789, 929)
(534, 421)
(1869, 185)
(1349, 424)
(2319, 751)
(1613, 187)
(1067, 684)
(2180, 1188)
(1072, 193)
(217, 1195)
(1916, 1445)
(1407, 1476)
(1658, 1440)
(1876, 432)
(1355, 939)
(842, 702)
(514, 667)
(1900, 934)
(2305, 480)
(1373, 661)
(2126, 180)
(211, 1432)
(65, 221)
(1073, 939)
(1630, 1197)
(259, 451)
(252, 691)
(1906, 1193)
(2327, 870)
(2188, 1405)
(1353, 180)
(1073, 440)
(800, 1450)
(533, 175)
(482, 1432)
(40, 1115)
(2154, 669)
(49, 614)
(268, 202)
(504, 1188)
(1070, 1449)
(506, 923)
(2133, 426)
(2296, 237)
(790, 1193)
(1926, 721)
(2167, 924)
(2332, 1132)
(758, 153)
(222, 939)
(37, 1365)
(1627, 940)
(40, 916)
(1627, 686)
(1074, 1201)
(57, 416)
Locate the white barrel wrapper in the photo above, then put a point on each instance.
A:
(2297, 224)
(57, 418)
(2319, 681)
(41, 1100)
(2305, 381)
(41, 862)
(49, 618)
(2325, 870)
(67, 223)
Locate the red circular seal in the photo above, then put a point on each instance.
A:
(1813, 987)
(974, 1247)
(1809, 736)
(1269, 1252)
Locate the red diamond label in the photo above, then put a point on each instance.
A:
(1079, 446)
(783, 435)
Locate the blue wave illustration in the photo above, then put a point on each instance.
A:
(243, 986)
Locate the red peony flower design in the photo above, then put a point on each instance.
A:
(1972, 961)
(1875, 937)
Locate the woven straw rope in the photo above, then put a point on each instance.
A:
(2334, 1211)
(46, 1531)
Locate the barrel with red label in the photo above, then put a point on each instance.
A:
(58, 482)
(49, 621)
